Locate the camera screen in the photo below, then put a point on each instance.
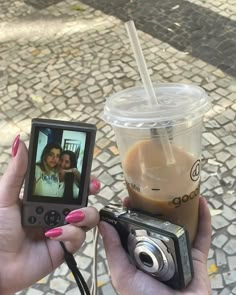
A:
(58, 165)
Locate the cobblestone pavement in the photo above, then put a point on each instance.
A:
(61, 59)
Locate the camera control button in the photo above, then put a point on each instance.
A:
(66, 211)
(39, 210)
(52, 218)
(32, 219)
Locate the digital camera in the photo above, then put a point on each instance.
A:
(58, 176)
(158, 248)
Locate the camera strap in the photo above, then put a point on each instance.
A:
(71, 263)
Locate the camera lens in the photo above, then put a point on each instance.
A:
(146, 259)
(151, 255)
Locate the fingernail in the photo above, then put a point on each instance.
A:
(15, 145)
(96, 184)
(75, 216)
(52, 233)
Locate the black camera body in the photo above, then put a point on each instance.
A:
(47, 199)
(159, 248)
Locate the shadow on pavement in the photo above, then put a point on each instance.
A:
(41, 4)
(184, 25)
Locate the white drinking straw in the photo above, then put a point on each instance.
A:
(135, 44)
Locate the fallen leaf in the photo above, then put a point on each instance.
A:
(212, 269)
(114, 150)
(78, 8)
(36, 52)
(96, 151)
(100, 284)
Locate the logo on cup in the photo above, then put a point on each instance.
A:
(185, 198)
(195, 171)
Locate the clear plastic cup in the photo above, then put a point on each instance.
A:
(168, 190)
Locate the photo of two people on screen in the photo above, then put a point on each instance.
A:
(58, 165)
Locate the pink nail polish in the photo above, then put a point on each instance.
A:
(75, 216)
(96, 184)
(15, 145)
(52, 233)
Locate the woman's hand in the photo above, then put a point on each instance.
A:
(26, 254)
(128, 280)
(76, 173)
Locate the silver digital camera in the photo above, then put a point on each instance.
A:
(159, 248)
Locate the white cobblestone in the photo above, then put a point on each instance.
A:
(230, 247)
(220, 257)
(219, 222)
(59, 285)
(217, 281)
(228, 213)
(230, 277)
(225, 291)
(33, 291)
(232, 262)
(231, 163)
(219, 240)
(232, 229)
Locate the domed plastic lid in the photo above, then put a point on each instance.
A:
(177, 103)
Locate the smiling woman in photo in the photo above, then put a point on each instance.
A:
(46, 171)
(69, 176)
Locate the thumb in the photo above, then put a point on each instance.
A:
(203, 239)
(118, 262)
(12, 179)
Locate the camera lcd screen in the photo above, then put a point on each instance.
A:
(58, 165)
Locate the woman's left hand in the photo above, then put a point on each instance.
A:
(26, 254)
(138, 282)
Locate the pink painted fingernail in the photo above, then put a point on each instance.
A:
(96, 184)
(75, 216)
(52, 233)
(15, 145)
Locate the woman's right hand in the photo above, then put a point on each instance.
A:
(29, 254)
(128, 280)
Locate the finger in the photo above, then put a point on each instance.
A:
(127, 202)
(203, 238)
(87, 217)
(12, 179)
(94, 186)
(67, 233)
(72, 236)
(116, 256)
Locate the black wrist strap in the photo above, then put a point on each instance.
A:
(70, 260)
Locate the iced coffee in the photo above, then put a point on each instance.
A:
(169, 190)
